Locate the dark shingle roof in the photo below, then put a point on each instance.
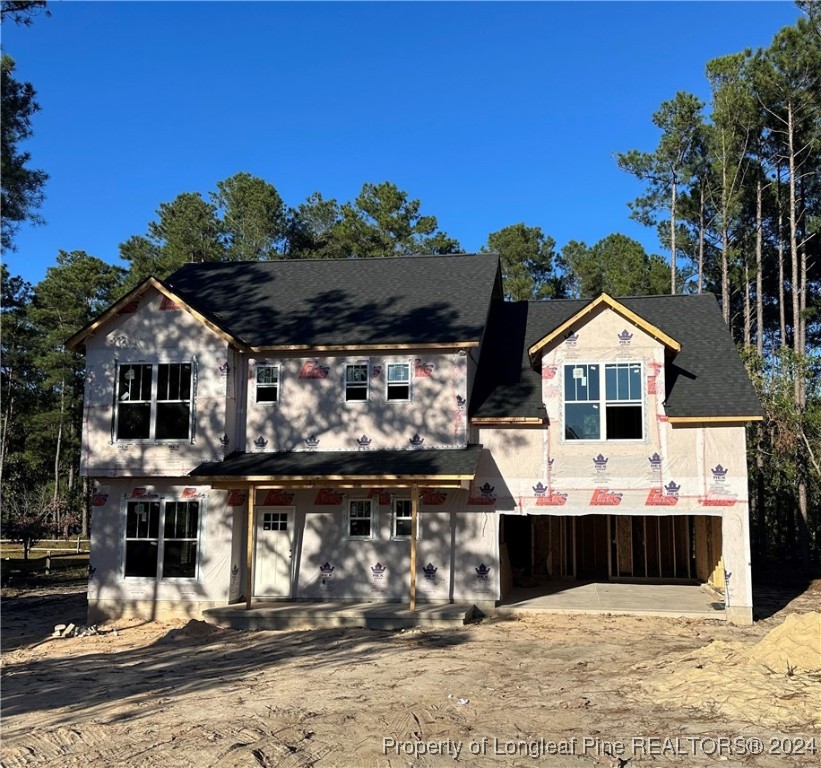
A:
(409, 464)
(706, 378)
(407, 300)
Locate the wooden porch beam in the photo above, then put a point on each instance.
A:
(251, 536)
(227, 485)
(414, 528)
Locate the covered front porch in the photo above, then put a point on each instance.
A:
(331, 538)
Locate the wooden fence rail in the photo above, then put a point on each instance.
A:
(52, 562)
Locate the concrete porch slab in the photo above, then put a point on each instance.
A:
(284, 615)
(671, 600)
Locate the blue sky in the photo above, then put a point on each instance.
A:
(489, 113)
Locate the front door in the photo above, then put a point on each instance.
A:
(272, 558)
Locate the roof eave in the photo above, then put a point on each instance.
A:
(713, 419)
(427, 346)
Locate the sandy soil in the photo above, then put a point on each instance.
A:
(187, 694)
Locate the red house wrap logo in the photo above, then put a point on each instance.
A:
(663, 498)
(276, 497)
(431, 497)
(188, 493)
(552, 499)
(311, 369)
(99, 499)
(603, 497)
(168, 304)
(328, 497)
(381, 494)
(422, 370)
(236, 497)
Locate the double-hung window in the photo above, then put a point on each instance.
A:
(161, 539)
(603, 401)
(267, 384)
(360, 519)
(356, 383)
(398, 382)
(154, 401)
(402, 521)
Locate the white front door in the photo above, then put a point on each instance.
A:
(272, 558)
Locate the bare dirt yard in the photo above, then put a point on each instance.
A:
(553, 690)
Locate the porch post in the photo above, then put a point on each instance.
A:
(251, 539)
(414, 523)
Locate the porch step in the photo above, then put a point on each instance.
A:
(390, 616)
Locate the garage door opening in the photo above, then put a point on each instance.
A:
(669, 548)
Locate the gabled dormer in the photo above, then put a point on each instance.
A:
(698, 373)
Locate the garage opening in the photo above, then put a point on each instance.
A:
(677, 548)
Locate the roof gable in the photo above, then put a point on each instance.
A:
(580, 317)
(77, 341)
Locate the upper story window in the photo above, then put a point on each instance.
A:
(398, 382)
(154, 401)
(161, 539)
(356, 383)
(267, 384)
(603, 401)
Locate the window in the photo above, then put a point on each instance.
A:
(154, 401)
(398, 382)
(356, 383)
(401, 519)
(620, 383)
(172, 555)
(623, 401)
(267, 383)
(360, 519)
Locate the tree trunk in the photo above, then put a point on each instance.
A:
(674, 195)
(4, 439)
(759, 277)
(802, 278)
(747, 305)
(760, 493)
(701, 241)
(725, 244)
(57, 449)
(782, 310)
(803, 523)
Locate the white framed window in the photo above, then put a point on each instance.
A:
(154, 401)
(399, 382)
(402, 520)
(356, 383)
(161, 539)
(267, 384)
(603, 401)
(361, 523)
